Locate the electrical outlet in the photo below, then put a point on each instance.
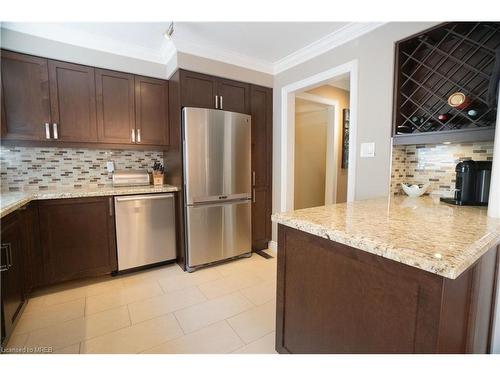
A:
(110, 166)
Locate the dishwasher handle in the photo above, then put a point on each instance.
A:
(144, 197)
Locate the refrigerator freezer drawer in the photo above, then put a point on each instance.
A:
(145, 229)
(218, 231)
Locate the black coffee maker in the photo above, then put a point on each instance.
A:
(472, 186)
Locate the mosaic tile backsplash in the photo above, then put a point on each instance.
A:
(434, 164)
(44, 168)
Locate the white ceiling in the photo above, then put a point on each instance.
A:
(269, 47)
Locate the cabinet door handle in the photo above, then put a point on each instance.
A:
(54, 129)
(9, 249)
(253, 195)
(221, 102)
(216, 101)
(138, 135)
(47, 130)
(5, 267)
(253, 178)
(133, 135)
(110, 201)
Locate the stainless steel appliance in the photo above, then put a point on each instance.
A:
(217, 185)
(145, 229)
(130, 177)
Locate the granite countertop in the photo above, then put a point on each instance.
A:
(420, 232)
(11, 201)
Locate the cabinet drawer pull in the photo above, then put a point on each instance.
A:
(133, 135)
(138, 135)
(253, 196)
(47, 130)
(221, 107)
(54, 129)
(253, 178)
(216, 102)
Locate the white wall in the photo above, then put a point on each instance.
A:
(375, 54)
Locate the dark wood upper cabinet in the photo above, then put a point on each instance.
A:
(25, 96)
(72, 100)
(233, 96)
(151, 111)
(197, 90)
(115, 106)
(205, 91)
(262, 133)
(77, 237)
(12, 275)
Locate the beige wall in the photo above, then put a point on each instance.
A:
(342, 96)
(25, 43)
(310, 154)
(375, 55)
(221, 69)
(34, 45)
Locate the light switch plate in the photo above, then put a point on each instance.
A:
(110, 166)
(367, 150)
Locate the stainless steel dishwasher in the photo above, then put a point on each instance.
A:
(145, 229)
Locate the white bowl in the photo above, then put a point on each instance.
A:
(414, 190)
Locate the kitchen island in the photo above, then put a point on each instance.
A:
(389, 275)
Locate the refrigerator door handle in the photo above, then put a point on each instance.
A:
(220, 198)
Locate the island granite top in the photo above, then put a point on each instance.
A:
(11, 201)
(420, 232)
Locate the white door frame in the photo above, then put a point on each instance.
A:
(332, 134)
(288, 129)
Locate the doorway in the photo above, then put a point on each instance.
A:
(318, 155)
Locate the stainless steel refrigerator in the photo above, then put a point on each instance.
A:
(217, 185)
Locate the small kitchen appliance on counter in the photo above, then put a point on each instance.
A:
(130, 177)
(472, 186)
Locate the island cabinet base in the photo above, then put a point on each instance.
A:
(332, 298)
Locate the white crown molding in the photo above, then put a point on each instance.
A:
(84, 39)
(169, 49)
(345, 34)
(223, 55)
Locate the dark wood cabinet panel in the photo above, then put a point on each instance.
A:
(261, 103)
(72, 99)
(262, 134)
(25, 96)
(12, 275)
(233, 96)
(77, 237)
(151, 111)
(332, 298)
(115, 95)
(260, 222)
(197, 90)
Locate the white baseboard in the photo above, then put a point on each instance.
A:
(273, 246)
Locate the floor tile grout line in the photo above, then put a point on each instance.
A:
(236, 333)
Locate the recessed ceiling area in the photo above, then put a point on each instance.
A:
(269, 47)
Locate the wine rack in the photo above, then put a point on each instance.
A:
(432, 65)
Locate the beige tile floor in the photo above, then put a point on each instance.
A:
(228, 308)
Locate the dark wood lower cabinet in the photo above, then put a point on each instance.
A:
(12, 274)
(333, 298)
(77, 238)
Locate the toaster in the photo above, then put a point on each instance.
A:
(130, 177)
